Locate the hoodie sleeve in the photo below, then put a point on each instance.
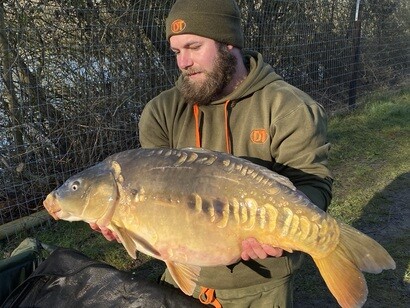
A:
(300, 149)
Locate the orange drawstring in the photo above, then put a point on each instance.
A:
(197, 133)
(227, 132)
(207, 297)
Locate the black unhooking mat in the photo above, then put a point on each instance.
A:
(67, 278)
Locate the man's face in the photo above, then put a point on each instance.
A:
(206, 66)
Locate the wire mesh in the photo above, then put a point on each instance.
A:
(75, 75)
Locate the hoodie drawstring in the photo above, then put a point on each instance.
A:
(197, 132)
(227, 131)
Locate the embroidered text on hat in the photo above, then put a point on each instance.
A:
(178, 26)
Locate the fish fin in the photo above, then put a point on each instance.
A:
(131, 241)
(126, 241)
(342, 268)
(344, 280)
(184, 275)
(365, 252)
(197, 150)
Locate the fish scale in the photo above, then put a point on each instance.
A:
(193, 208)
(248, 212)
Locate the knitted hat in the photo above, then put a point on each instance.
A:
(219, 20)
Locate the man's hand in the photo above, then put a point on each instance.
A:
(252, 249)
(108, 234)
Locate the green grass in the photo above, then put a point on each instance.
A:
(370, 148)
(370, 162)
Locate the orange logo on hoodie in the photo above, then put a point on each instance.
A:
(178, 25)
(259, 135)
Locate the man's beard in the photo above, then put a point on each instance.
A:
(215, 82)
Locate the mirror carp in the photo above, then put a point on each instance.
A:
(192, 208)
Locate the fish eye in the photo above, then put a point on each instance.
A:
(75, 185)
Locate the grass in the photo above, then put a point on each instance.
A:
(370, 161)
(370, 148)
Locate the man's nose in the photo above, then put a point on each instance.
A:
(184, 60)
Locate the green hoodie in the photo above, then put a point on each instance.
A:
(265, 120)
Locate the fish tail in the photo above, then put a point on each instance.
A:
(342, 268)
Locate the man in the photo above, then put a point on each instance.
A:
(225, 100)
(230, 100)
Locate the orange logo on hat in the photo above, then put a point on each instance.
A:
(259, 135)
(178, 25)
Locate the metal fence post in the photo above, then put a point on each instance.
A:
(355, 56)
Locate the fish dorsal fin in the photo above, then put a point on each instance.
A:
(184, 275)
(197, 150)
(132, 241)
(278, 178)
(262, 170)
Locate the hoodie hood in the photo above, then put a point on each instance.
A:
(260, 74)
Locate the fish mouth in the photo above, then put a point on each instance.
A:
(51, 206)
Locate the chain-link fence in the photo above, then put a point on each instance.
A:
(76, 74)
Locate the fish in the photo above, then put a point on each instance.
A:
(192, 208)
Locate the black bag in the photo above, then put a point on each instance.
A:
(68, 278)
(21, 264)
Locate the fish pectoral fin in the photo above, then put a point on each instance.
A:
(132, 241)
(184, 275)
(126, 240)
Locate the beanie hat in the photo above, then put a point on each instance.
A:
(219, 20)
